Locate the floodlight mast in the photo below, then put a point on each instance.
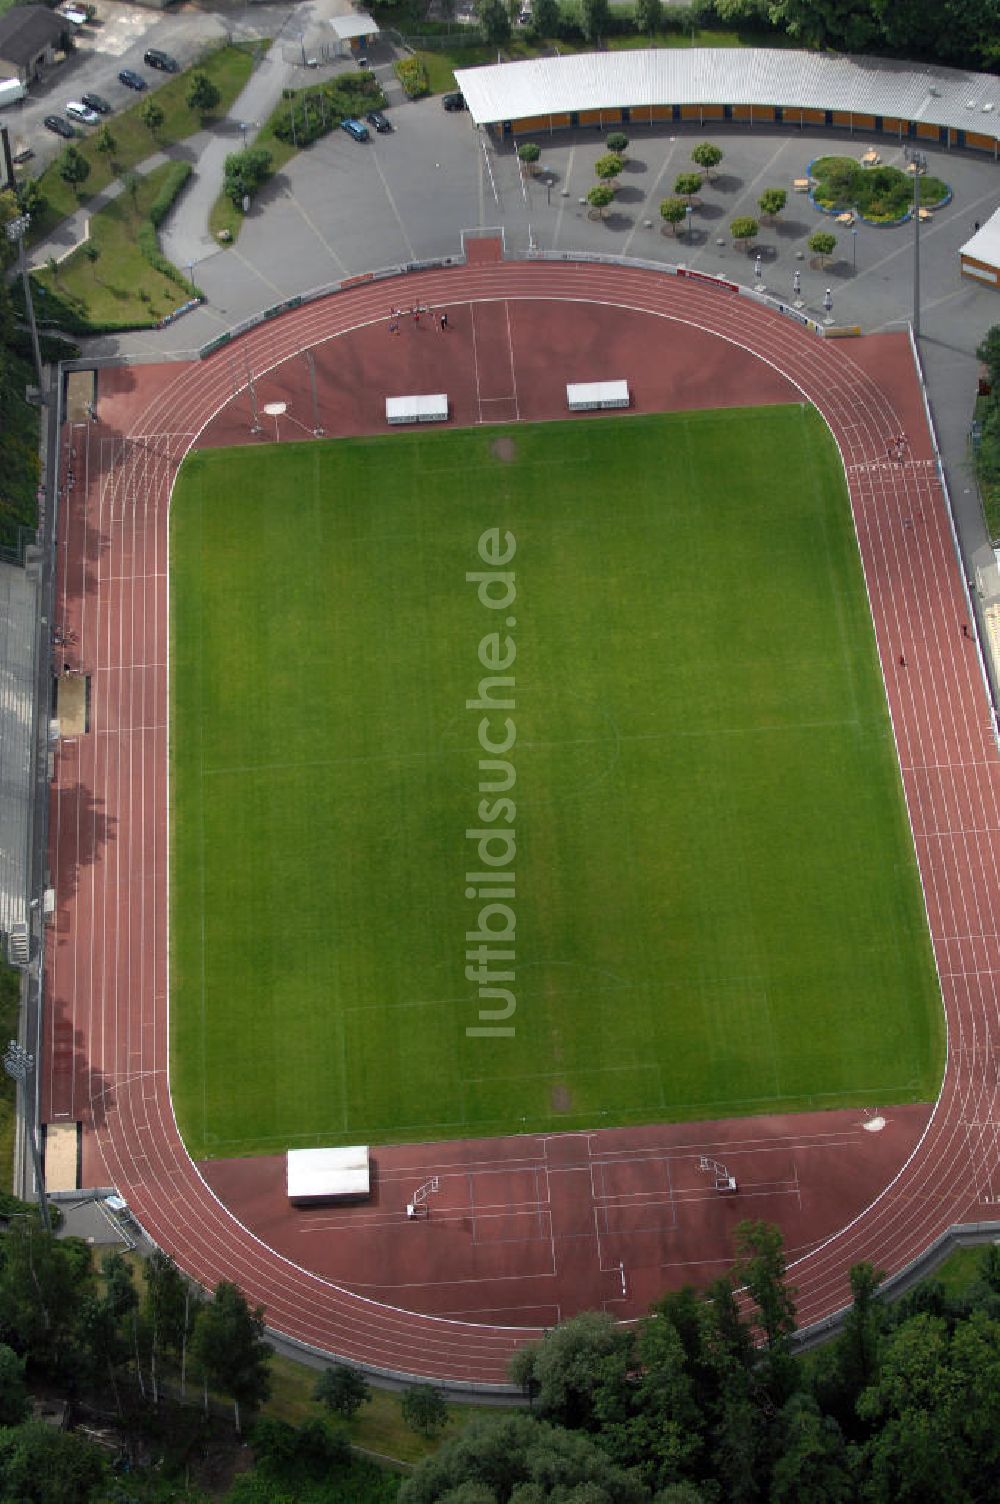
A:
(19, 1063)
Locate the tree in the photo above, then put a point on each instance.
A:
(13, 1390)
(130, 182)
(30, 198)
(707, 156)
(43, 1282)
(105, 142)
(617, 142)
(230, 1350)
(649, 16)
(93, 255)
(811, 1461)
(761, 1267)
(545, 18)
(600, 196)
(744, 230)
(41, 1465)
(202, 95)
(673, 211)
(245, 172)
(512, 1454)
(594, 17)
(424, 1409)
(687, 185)
(494, 18)
(989, 353)
(152, 116)
(771, 202)
(529, 153)
(73, 168)
(569, 1365)
(343, 1390)
(167, 1309)
(609, 166)
(822, 244)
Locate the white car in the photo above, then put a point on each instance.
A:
(77, 111)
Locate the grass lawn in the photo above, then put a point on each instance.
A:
(227, 67)
(717, 903)
(110, 290)
(10, 997)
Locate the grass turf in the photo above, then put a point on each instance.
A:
(717, 903)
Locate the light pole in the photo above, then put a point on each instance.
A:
(854, 250)
(758, 272)
(797, 289)
(16, 231)
(918, 164)
(828, 305)
(688, 213)
(18, 1064)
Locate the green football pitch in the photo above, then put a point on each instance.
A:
(715, 904)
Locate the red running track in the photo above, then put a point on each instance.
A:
(106, 1059)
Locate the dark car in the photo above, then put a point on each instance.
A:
(162, 60)
(96, 102)
(354, 128)
(59, 126)
(379, 121)
(453, 101)
(132, 80)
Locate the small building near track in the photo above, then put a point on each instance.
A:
(354, 34)
(749, 86)
(980, 256)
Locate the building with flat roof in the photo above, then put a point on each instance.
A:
(764, 86)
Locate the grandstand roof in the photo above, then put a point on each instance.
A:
(721, 75)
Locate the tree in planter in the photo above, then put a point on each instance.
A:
(707, 157)
(93, 255)
(151, 116)
(672, 212)
(73, 168)
(687, 185)
(106, 142)
(600, 196)
(823, 245)
(608, 166)
(618, 143)
(771, 202)
(529, 153)
(424, 1409)
(229, 1348)
(202, 96)
(343, 1390)
(649, 16)
(744, 231)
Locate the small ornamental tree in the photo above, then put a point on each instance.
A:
(687, 184)
(73, 167)
(771, 202)
(608, 166)
(152, 116)
(343, 1390)
(494, 18)
(672, 212)
(424, 1409)
(594, 18)
(744, 231)
(202, 96)
(649, 16)
(105, 142)
(617, 142)
(707, 156)
(600, 196)
(823, 245)
(244, 172)
(92, 253)
(545, 18)
(529, 153)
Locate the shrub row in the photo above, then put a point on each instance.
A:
(315, 112)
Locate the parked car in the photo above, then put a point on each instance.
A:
(132, 80)
(96, 102)
(162, 60)
(77, 111)
(379, 121)
(355, 128)
(59, 126)
(453, 101)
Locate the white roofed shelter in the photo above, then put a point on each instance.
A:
(980, 256)
(353, 33)
(744, 85)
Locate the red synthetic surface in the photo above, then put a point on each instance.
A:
(519, 332)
